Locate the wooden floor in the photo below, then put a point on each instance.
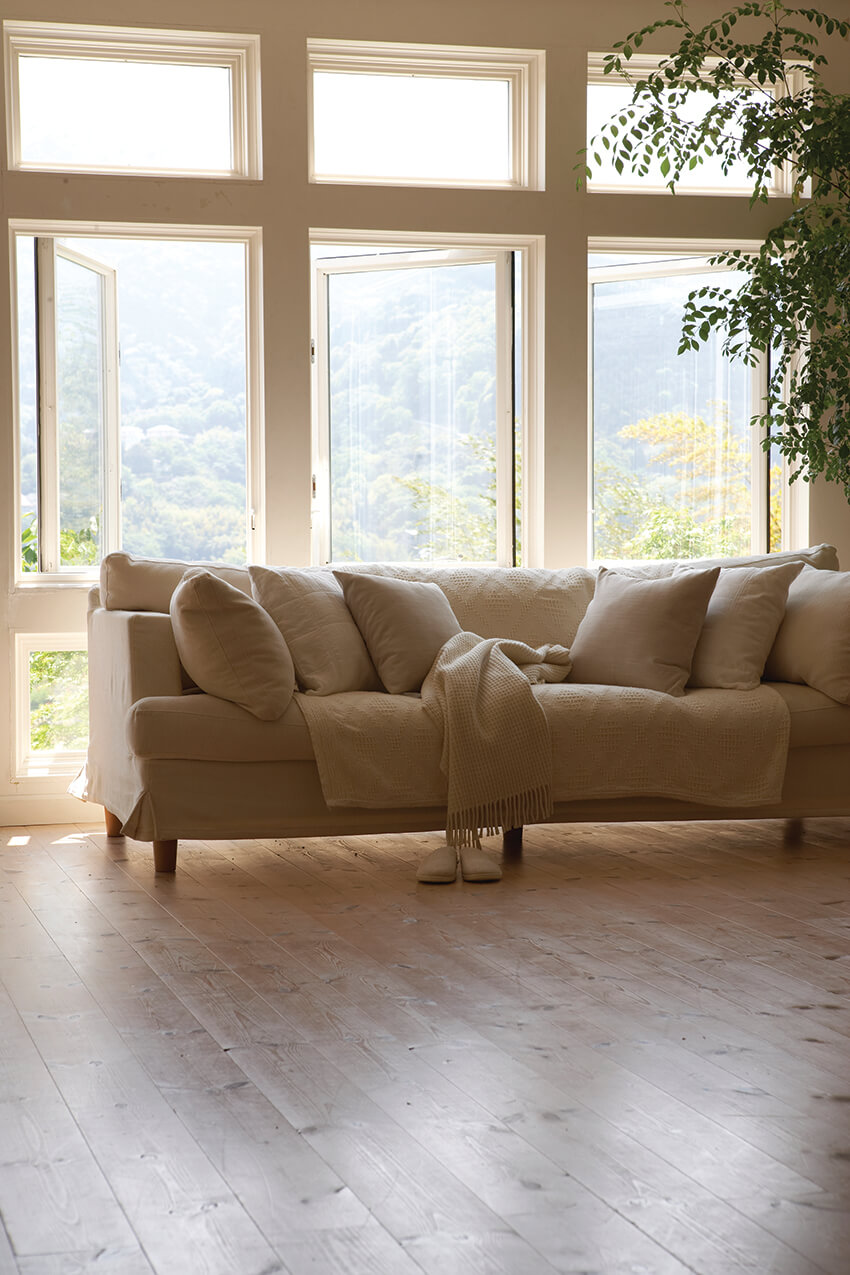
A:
(630, 1057)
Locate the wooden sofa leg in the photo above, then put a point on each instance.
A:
(165, 856)
(512, 840)
(113, 824)
(793, 834)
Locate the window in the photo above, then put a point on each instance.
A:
(606, 95)
(182, 102)
(424, 410)
(134, 376)
(426, 116)
(53, 705)
(677, 469)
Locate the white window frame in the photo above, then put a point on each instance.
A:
(239, 54)
(524, 69)
(26, 763)
(529, 301)
(675, 251)
(251, 238)
(48, 434)
(643, 64)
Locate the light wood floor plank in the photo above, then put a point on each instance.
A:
(627, 1056)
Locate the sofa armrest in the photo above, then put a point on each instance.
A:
(132, 654)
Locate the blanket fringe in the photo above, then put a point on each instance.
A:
(466, 827)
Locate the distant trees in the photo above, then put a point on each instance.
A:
(59, 700)
(692, 499)
(412, 407)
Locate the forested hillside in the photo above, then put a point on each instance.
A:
(411, 405)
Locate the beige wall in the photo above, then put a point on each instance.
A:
(286, 206)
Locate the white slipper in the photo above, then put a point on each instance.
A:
(440, 867)
(475, 865)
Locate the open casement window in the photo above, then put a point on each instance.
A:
(76, 299)
(416, 444)
(162, 462)
(608, 94)
(677, 469)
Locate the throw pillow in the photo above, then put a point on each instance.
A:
(743, 616)
(404, 624)
(642, 632)
(325, 643)
(813, 642)
(229, 646)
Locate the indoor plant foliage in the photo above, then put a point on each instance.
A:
(758, 68)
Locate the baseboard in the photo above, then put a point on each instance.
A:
(18, 811)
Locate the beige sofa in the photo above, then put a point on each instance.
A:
(167, 761)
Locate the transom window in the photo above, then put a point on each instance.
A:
(178, 102)
(607, 95)
(399, 114)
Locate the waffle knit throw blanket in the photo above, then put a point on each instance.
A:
(491, 747)
(497, 753)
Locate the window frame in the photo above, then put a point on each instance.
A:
(49, 489)
(251, 238)
(524, 69)
(781, 186)
(528, 302)
(28, 764)
(682, 251)
(239, 54)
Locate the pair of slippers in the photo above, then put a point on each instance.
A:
(440, 867)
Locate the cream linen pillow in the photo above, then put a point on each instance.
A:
(229, 646)
(642, 632)
(743, 616)
(813, 642)
(404, 624)
(325, 643)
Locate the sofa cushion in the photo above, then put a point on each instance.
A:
(813, 642)
(197, 727)
(743, 616)
(146, 584)
(642, 632)
(824, 557)
(535, 605)
(816, 720)
(326, 646)
(404, 624)
(230, 646)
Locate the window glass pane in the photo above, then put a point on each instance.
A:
(671, 433)
(412, 366)
(58, 701)
(411, 126)
(160, 115)
(605, 100)
(182, 324)
(776, 499)
(80, 412)
(27, 402)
